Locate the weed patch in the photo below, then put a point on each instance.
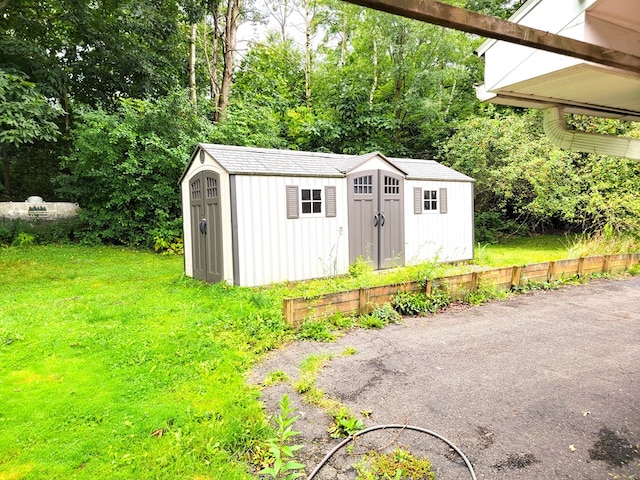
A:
(280, 462)
(395, 465)
(418, 303)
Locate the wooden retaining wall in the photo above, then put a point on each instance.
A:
(364, 300)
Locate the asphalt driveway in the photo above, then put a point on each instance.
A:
(542, 385)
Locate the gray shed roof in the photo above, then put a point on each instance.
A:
(264, 161)
(428, 170)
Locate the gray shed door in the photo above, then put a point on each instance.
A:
(376, 218)
(206, 226)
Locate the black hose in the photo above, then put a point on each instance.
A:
(384, 427)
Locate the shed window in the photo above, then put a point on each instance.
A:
(431, 200)
(212, 187)
(391, 186)
(311, 200)
(196, 190)
(363, 185)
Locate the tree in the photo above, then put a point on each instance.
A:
(125, 167)
(95, 52)
(25, 116)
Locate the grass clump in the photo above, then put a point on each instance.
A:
(381, 316)
(485, 294)
(605, 243)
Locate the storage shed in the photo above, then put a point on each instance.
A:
(255, 216)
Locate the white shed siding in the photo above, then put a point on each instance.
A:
(440, 236)
(225, 209)
(272, 248)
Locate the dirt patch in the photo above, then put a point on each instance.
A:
(516, 461)
(486, 437)
(613, 449)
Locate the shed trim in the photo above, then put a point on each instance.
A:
(234, 229)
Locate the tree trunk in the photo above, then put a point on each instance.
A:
(308, 19)
(229, 46)
(374, 83)
(400, 78)
(212, 61)
(192, 63)
(5, 163)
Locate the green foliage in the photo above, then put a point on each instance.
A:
(317, 330)
(96, 52)
(344, 424)
(174, 246)
(521, 177)
(42, 231)
(381, 316)
(523, 250)
(360, 268)
(493, 226)
(606, 243)
(25, 114)
(125, 168)
(23, 240)
(634, 270)
(395, 465)
(281, 454)
(409, 303)
(483, 295)
(418, 303)
(275, 377)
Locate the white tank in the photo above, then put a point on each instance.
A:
(35, 207)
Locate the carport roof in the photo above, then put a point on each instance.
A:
(262, 161)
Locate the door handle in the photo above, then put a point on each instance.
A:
(203, 226)
(382, 219)
(376, 219)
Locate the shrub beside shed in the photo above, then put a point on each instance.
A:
(256, 216)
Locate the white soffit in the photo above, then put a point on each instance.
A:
(583, 88)
(624, 13)
(541, 80)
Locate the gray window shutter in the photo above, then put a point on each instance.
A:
(443, 200)
(292, 201)
(330, 200)
(417, 200)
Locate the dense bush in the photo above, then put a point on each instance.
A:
(521, 177)
(125, 167)
(490, 227)
(25, 232)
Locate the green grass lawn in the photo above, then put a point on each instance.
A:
(102, 347)
(524, 250)
(114, 365)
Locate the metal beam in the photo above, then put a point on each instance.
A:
(445, 15)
